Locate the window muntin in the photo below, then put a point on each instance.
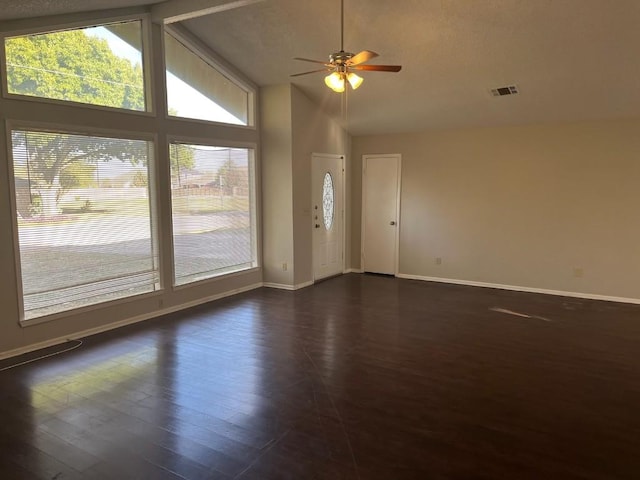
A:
(213, 211)
(84, 220)
(100, 65)
(197, 90)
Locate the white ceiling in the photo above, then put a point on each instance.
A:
(573, 60)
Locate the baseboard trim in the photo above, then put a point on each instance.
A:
(123, 323)
(279, 286)
(284, 286)
(354, 270)
(560, 293)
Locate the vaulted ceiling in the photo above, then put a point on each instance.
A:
(572, 60)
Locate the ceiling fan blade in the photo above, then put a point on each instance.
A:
(312, 61)
(312, 71)
(361, 57)
(377, 68)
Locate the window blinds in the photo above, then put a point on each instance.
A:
(84, 220)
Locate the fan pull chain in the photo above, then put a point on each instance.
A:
(344, 107)
(346, 111)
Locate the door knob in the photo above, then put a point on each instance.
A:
(317, 226)
(392, 223)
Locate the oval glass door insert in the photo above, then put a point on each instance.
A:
(327, 200)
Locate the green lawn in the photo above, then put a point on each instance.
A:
(133, 207)
(82, 207)
(199, 204)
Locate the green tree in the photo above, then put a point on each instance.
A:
(139, 179)
(182, 161)
(56, 160)
(231, 175)
(71, 65)
(76, 175)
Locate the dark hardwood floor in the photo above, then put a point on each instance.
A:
(358, 377)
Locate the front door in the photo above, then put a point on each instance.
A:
(327, 214)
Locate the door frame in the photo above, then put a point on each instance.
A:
(396, 253)
(343, 213)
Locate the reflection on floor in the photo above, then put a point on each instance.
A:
(358, 377)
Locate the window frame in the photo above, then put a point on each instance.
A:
(154, 217)
(41, 28)
(207, 56)
(253, 201)
(21, 112)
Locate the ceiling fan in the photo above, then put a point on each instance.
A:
(341, 64)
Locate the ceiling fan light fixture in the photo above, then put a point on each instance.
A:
(354, 80)
(335, 82)
(342, 63)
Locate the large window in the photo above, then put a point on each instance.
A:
(197, 90)
(213, 207)
(96, 65)
(84, 219)
(84, 172)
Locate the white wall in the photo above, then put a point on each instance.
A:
(293, 127)
(519, 206)
(313, 132)
(277, 191)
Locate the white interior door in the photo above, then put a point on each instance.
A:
(327, 214)
(380, 213)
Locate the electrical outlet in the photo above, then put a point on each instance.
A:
(284, 266)
(438, 260)
(578, 272)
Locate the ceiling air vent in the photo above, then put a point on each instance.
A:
(502, 91)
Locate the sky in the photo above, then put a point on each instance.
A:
(182, 98)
